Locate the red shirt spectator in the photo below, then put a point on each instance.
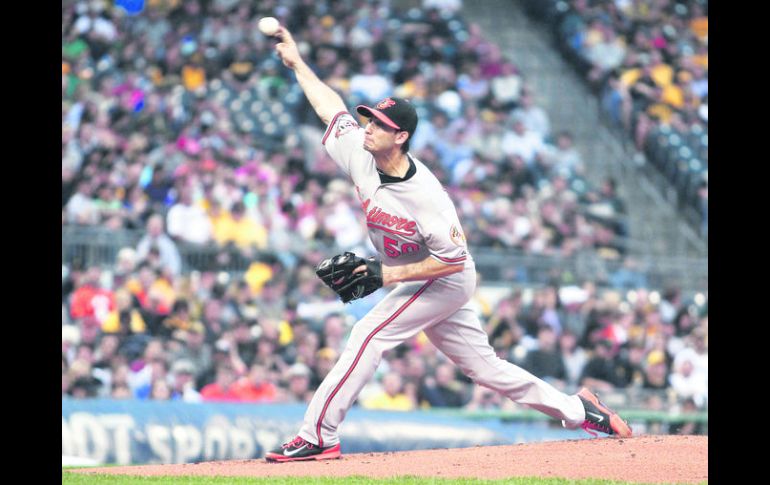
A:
(255, 386)
(222, 388)
(90, 300)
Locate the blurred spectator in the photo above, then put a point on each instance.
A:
(471, 85)
(107, 352)
(158, 189)
(254, 386)
(522, 141)
(605, 54)
(124, 320)
(244, 342)
(110, 209)
(689, 384)
(183, 382)
(444, 390)
(160, 390)
(670, 302)
(81, 383)
(90, 302)
(631, 366)
(222, 389)
(241, 230)
(369, 85)
(607, 207)
(193, 349)
(506, 88)
(298, 384)
(503, 325)
(534, 118)
(81, 208)
(334, 332)
(695, 349)
(656, 372)
(564, 158)
(187, 221)
(574, 358)
(179, 319)
(325, 360)
(600, 372)
(392, 396)
(545, 361)
(125, 265)
(156, 240)
(153, 371)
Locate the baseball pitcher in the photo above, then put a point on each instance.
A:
(423, 255)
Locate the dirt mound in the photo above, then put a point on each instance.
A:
(650, 459)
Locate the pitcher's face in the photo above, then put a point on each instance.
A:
(378, 137)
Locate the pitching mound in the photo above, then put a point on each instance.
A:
(652, 459)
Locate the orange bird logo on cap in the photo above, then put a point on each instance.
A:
(385, 103)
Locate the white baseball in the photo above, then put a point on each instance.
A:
(268, 25)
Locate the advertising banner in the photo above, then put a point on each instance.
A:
(146, 432)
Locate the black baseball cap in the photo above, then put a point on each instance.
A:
(398, 113)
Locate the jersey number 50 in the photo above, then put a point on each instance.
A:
(391, 247)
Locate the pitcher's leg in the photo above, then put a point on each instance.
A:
(402, 314)
(463, 340)
(355, 367)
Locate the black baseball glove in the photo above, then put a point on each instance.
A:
(337, 273)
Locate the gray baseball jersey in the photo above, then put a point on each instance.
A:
(409, 220)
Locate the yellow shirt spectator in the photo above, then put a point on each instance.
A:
(702, 59)
(630, 76)
(221, 224)
(673, 95)
(257, 275)
(226, 231)
(239, 229)
(193, 77)
(391, 398)
(412, 88)
(700, 27)
(662, 74)
(285, 333)
(249, 233)
(162, 291)
(123, 301)
(660, 111)
(111, 324)
(385, 402)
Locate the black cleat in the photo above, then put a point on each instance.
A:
(601, 418)
(300, 450)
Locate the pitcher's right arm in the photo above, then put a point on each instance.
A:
(324, 100)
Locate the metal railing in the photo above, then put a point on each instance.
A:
(91, 246)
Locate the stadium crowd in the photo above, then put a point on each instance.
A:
(272, 336)
(178, 122)
(189, 117)
(647, 60)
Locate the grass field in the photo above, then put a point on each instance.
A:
(69, 478)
